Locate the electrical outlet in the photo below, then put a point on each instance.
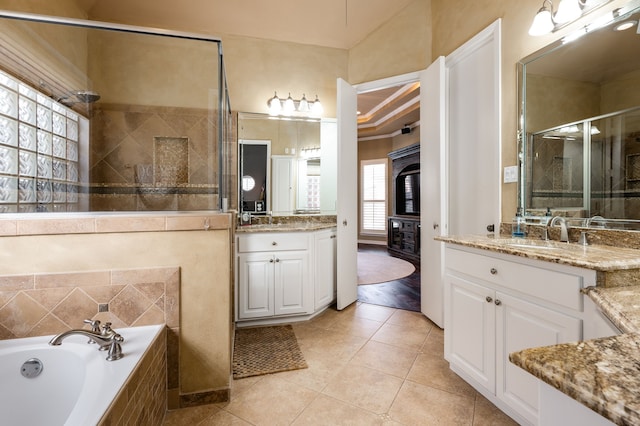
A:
(511, 174)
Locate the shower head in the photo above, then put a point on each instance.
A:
(79, 97)
(87, 96)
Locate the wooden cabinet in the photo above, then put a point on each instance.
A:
(284, 275)
(403, 237)
(498, 304)
(273, 275)
(325, 268)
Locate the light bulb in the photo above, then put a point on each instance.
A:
(316, 108)
(542, 23)
(289, 105)
(568, 10)
(304, 104)
(274, 105)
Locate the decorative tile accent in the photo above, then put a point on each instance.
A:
(171, 160)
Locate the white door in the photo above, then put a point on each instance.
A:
(473, 134)
(292, 287)
(282, 173)
(255, 285)
(432, 149)
(347, 208)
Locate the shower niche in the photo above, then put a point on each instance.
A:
(403, 226)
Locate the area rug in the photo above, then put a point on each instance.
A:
(375, 268)
(266, 350)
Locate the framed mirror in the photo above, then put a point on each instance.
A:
(301, 163)
(579, 122)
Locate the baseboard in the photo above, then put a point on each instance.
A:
(373, 242)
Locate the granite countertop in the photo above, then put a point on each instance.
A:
(595, 257)
(285, 227)
(620, 304)
(602, 374)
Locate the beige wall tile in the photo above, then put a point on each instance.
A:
(55, 226)
(73, 279)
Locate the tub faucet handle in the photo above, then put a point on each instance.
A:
(95, 324)
(95, 327)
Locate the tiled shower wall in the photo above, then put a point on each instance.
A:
(44, 304)
(153, 158)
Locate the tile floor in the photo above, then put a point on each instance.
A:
(368, 365)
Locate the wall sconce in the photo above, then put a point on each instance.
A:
(289, 106)
(546, 21)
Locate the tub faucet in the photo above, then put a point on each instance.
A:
(107, 339)
(564, 228)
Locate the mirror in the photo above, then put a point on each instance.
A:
(300, 164)
(579, 123)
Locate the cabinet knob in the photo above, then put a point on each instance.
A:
(489, 299)
(493, 271)
(333, 236)
(498, 302)
(273, 243)
(270, 260)
(277, 260)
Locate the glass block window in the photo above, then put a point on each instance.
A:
(39, 141)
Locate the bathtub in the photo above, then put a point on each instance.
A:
(76, 385)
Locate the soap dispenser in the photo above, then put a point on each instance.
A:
(518, 225)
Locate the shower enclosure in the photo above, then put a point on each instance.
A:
(105, 117)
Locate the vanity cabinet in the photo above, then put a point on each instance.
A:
(325, 268)
(273, 275)
(284, 276)
(497, 304)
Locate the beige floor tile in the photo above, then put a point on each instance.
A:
(487, 414)
(331, 343)
(222, 418)
(189, 416)
(322, 369)
(417, 404)
(364, 387)
(357, 326)
(435, 342)
(402, 336)
(432, 370)
(325, 410)
(271, 401)
(410, 319)
(373, 312)
(385, 358)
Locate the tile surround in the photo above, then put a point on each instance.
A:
(45, 304)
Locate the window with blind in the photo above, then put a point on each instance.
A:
(373, 209)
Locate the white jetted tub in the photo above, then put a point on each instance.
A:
(71, 384)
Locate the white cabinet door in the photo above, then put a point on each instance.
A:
(292, 288)
(470, 329)
(522, 325)
(255, 285)
(325, 268)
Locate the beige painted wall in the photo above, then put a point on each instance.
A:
(401, 45)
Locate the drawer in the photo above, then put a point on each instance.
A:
(272, 241)
(561, 288)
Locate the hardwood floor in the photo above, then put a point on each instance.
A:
(401, 294)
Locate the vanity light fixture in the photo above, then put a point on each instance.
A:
(290, 106)
(547, 21)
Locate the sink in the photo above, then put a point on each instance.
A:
(532, 244)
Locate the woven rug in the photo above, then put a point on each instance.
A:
(265, 350)
(377, 268)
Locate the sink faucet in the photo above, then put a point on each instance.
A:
(107, 339)
(600, 219)
(564, 228)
